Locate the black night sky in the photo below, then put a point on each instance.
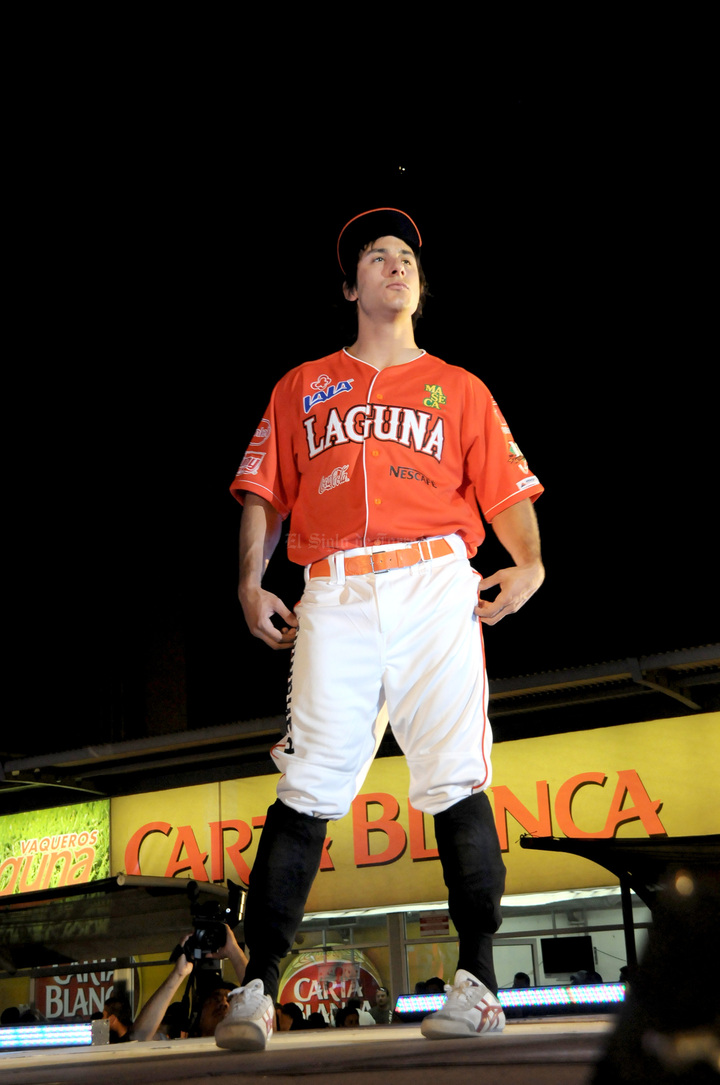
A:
(559, 232)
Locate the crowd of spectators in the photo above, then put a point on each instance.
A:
(164, 1017)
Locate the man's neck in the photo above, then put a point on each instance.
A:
(385, 345)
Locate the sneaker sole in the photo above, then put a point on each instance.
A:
(240, 1038)
(444, 1029)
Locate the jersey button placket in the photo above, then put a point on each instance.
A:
(374, 456)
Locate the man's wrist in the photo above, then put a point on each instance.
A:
(248, 586)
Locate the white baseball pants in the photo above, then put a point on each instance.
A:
(407, 637)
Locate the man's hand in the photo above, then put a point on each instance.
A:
(517, 584)
(152, 1013)
(183, 967)
(259, 535)
(259, 606)
(516, 528)
(232, 952)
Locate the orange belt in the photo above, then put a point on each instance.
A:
(384, 560)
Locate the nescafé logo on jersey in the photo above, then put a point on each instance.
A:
(411, 473)
(323, 389)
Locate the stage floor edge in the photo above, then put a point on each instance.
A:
(528, 1052)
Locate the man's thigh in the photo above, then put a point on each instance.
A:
(335, 696)
(436, 688)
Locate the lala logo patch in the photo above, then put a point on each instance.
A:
(323, 389)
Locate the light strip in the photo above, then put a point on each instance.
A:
(27, 1036)
(589, 994)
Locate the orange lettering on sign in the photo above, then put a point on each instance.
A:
(217, 841)
(645, 809)
(194, 860)
(507, 803)
(37, 876)
(78, 871)
(326, 862)
(132, 850)
(39, 871)
(564, 802)
(187, 856)
(386, 823)
(14, 864)
(418, 844)
(63, 861)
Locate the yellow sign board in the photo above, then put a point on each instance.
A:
(651, 779)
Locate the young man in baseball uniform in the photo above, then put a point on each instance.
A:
(381, 455)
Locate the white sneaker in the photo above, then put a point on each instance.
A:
(471, 1009)
(248, 1024)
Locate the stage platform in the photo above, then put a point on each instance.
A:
(561, 1051)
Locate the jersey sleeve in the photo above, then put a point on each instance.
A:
(496, 468)
(268, 468)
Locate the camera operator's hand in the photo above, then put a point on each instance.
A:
(232, 952)
(183, 967)
(152, 1013)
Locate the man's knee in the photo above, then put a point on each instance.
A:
(327, 799)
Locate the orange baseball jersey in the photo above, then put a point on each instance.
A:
(364, 457)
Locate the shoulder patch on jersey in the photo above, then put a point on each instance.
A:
(436, 398)
(516, 457)
(261, 433)
(251, 463)
(323, 389)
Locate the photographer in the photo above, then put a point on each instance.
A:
(214, 998)
(118, 1014)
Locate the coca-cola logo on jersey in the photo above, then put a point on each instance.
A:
(335, 478)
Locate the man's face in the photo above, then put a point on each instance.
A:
(284, 1021)
(381, 997)
(387, 282)
(214, 1008)
(112, 1020)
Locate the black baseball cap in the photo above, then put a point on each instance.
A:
(380, 222)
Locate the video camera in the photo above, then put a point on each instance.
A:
(210, 922)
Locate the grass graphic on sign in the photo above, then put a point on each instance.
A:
(45, 849)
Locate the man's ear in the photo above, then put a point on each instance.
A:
(350, 295)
